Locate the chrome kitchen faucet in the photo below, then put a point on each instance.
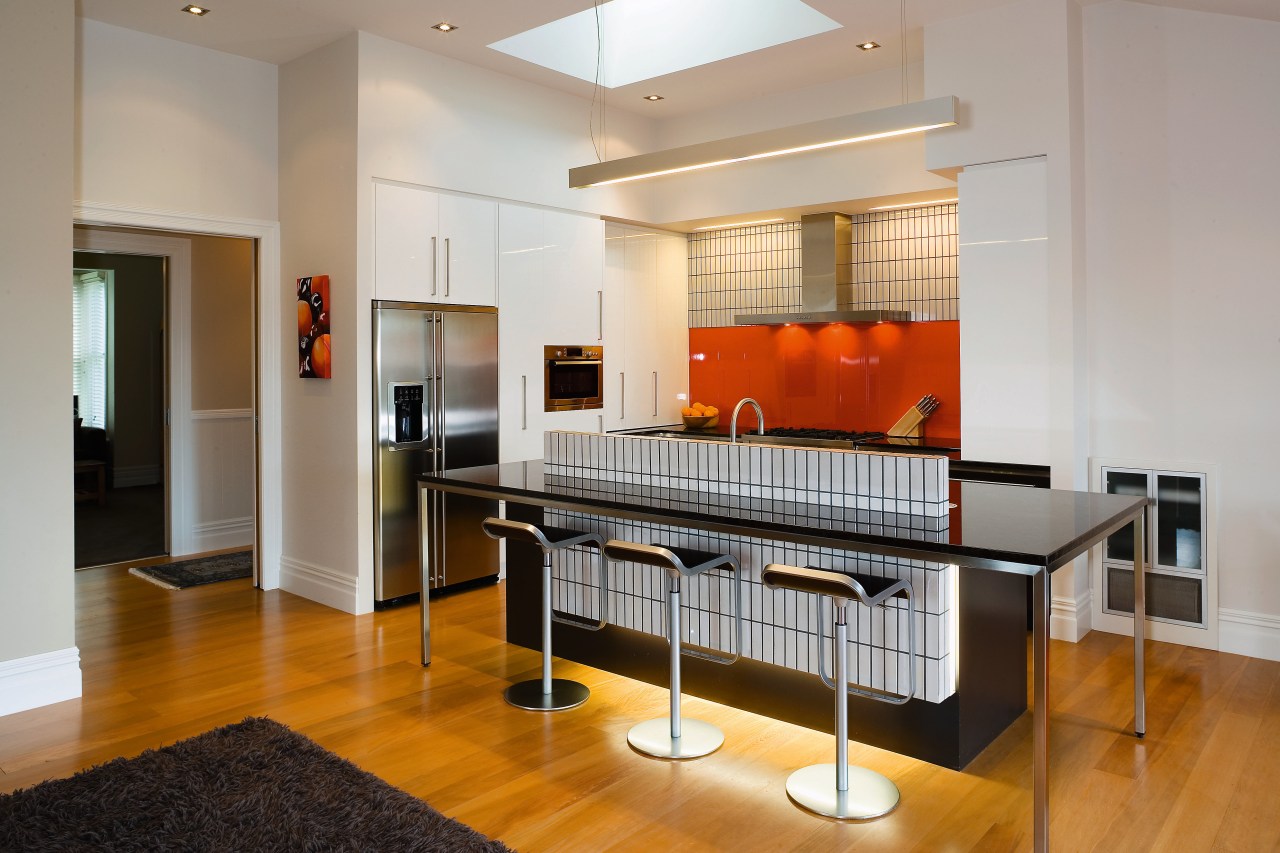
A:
(733, 421)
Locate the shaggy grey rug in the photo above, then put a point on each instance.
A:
(201, 570)
(254, 785)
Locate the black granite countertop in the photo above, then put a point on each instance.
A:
(1010, 528)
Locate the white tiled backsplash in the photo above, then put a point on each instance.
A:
(781, 626)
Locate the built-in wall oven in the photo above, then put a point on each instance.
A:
(573, 377)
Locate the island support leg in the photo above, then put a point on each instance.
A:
(1040, 707)
(1139, 625)
(426, 566)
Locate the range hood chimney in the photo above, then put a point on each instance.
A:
(826, 267)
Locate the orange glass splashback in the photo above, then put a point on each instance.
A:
(831, 376)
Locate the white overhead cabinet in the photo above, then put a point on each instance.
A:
(646, 327)
(434, 247)
(550, 271)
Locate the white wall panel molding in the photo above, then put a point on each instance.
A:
(1254, 634)
(221, 414)
(320, 584)
(39, 680)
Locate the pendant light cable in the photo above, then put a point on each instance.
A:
(902, 38)
(597, 92)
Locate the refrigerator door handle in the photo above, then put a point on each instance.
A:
(524, 402)
(440, 371)
(448, 266)
(435, 266)
(599, 315)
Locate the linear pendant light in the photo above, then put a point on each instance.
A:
(913, 117)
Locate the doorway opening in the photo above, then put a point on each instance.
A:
(119, 401)
(177, 444)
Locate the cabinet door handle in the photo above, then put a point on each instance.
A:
(448, 266)
(435, 266)
(600, 315)
(655, 393)
(524, 402)
(622, 396)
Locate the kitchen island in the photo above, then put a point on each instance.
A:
(991, 539)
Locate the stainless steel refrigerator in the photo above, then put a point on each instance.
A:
(435, 373)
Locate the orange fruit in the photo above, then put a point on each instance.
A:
(711, 411)
(321, 358)
(688, 411)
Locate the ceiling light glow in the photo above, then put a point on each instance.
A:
(444, 27)
(914, 204)
(654, 98)
(198, 11)
(868, 45)
(738, 224)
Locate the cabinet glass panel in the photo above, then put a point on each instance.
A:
(1169, 598)
(1120, 544)
(1179, 520)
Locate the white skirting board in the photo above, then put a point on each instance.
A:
(1254, 634)
(127, 476)
(1071, 618)
(225, 533)
(39, 680)
(319, 584)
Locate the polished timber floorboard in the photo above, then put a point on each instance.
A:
(160, 666)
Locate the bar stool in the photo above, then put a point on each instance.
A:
(547, 693)
(838, 790)
(672, 737)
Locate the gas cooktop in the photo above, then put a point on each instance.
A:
(823, 434)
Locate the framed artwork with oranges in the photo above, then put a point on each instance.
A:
(315, 358)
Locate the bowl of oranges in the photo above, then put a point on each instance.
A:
(699, 416)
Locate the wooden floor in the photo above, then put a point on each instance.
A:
(160, 666)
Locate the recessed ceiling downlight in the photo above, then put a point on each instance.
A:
(868, 45)
(444, 27)
(654, 98)
(198, 11)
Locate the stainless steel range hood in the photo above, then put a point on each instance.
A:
(826, 272)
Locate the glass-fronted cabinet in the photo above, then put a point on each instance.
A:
(1176, 588)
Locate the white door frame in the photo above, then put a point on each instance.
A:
(269, 518)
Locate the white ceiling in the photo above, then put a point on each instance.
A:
(277, 31)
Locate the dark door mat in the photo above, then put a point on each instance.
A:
(202, 570)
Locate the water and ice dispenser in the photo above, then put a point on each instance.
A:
(407, 420)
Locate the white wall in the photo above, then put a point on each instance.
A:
(325, 467)
(38, 656)
(1184, 298)
(167, 126)
(864, 170)
(431, 120)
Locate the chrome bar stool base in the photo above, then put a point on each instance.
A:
(870, 794)
(653, 737)
(565, 694)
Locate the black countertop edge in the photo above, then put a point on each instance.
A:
(1012, 519)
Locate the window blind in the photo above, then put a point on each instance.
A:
(89, 347)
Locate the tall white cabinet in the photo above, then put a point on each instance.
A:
(434, 247)
(550, 292)
(646, 327)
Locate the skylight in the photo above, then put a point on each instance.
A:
(642, 39)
